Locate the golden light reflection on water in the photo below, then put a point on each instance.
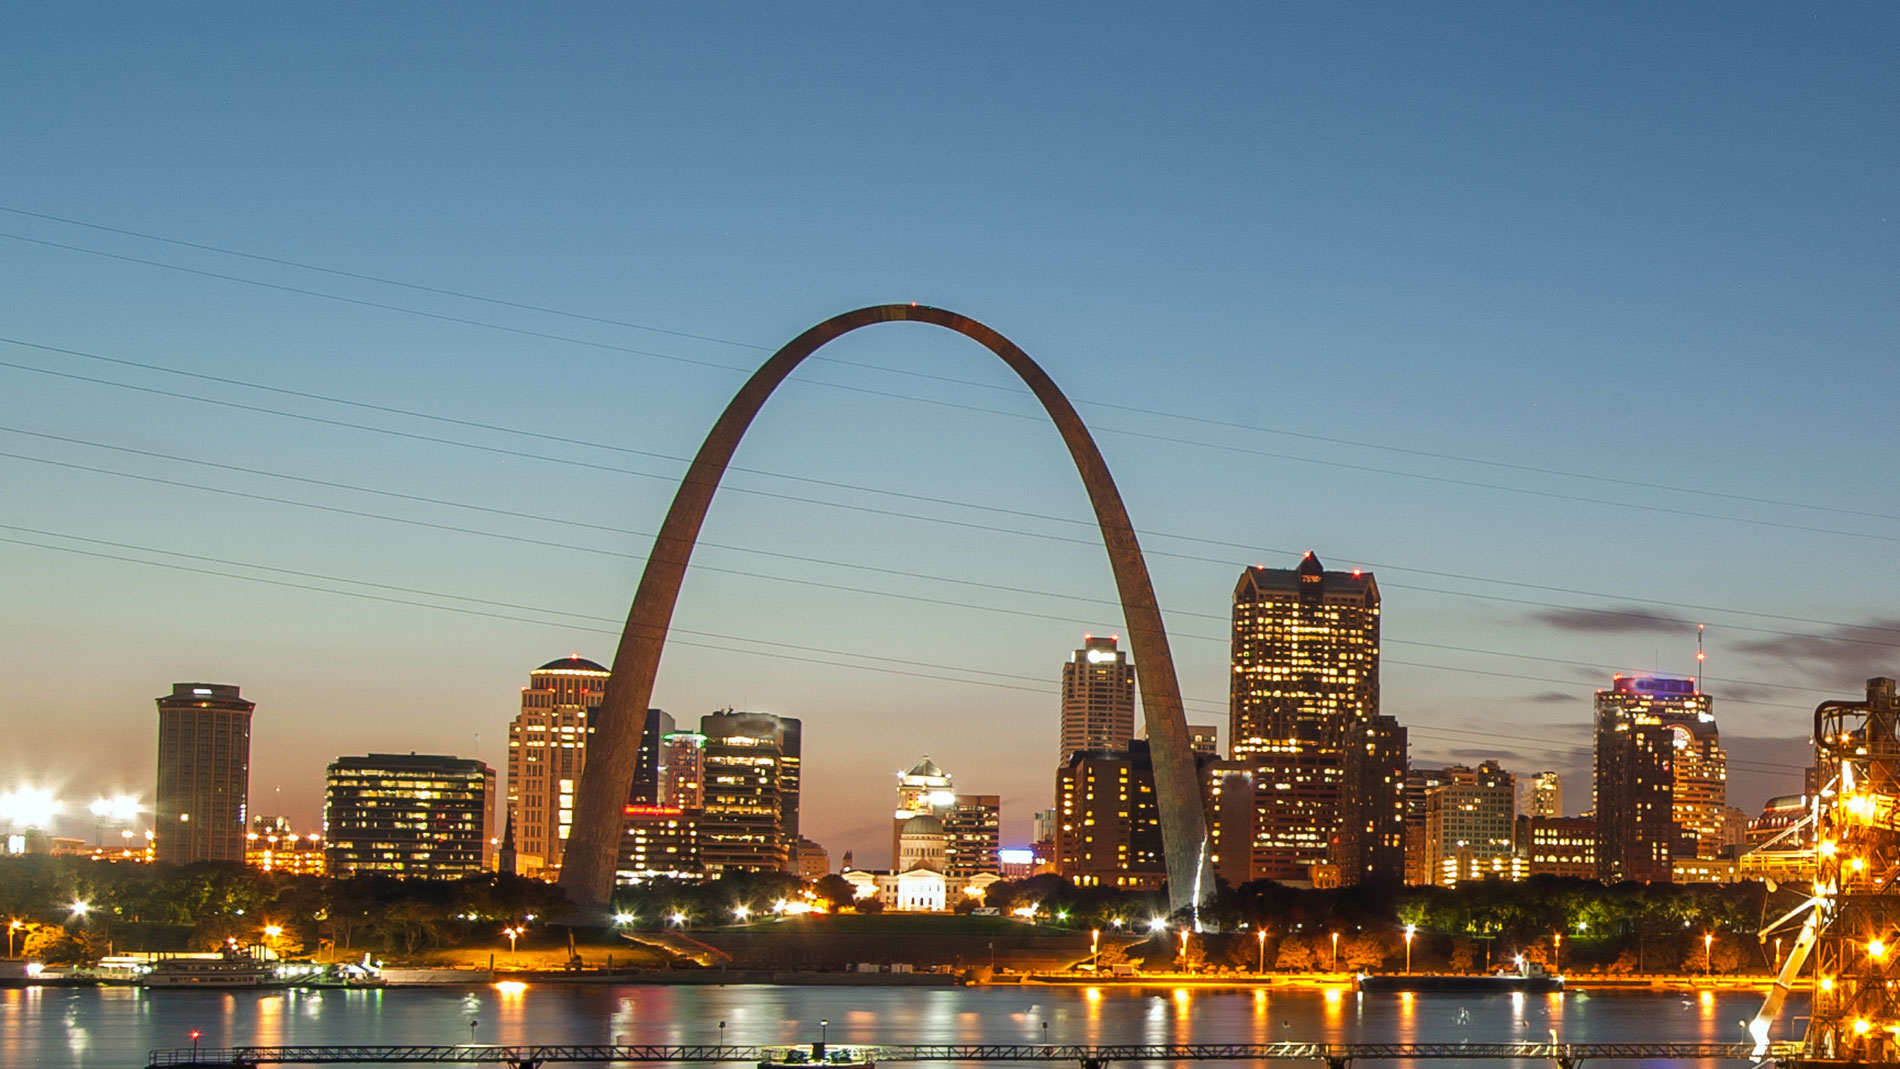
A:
(270, 1020)
(1408, 1014)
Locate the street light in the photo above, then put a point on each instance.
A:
(1184, 943)
(195, 1034)
(1260, 936)
(1410, 931)
(1336, 952)
(512, 933)
(81, 907)
(741, 912)
(1095, 948)
(1708, 960)
(13, 925)
(823, 1027)
(1557, 955)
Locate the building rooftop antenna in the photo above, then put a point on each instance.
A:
(1700, 657)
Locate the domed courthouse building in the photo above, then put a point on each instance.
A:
(944, 846)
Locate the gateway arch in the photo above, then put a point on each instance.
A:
(588, 862)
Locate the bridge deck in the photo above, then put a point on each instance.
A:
(1332, 1053)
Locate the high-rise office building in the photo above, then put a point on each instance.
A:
(1418, 786)
(974, 824)
(1661, 778)
(1108, 827)
(1304, 686)
(419, 815)
(1098, 697)
(547, 749)
(1544, 795)
(1370, 846)
(682, 770)
(1470, 823)
(1205, 739)
(752, 769)
(204, 774)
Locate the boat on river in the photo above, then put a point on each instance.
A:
(225, 970)
(1525, 976)
(817, 1056)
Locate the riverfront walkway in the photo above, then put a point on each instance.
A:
(1333, 1055)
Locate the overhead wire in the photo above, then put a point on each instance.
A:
(608, 528)
(387, 593)
(929, 499)
(908, 372)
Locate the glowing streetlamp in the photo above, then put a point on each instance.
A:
(823, 1027)
(741, 912)
(513, 933)
(678, 919)
(1184, 944)
(1708, 959)
(1157, 924)
(13, 925)
(1260, 937)
(1557, 954)
(195, 1036)
(621, 920)
(1410, 931)
(1336, 953)
(1095, 948)
(81, 907)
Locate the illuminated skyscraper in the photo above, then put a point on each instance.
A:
(1305, 687)
(547, 748)
(1098, 698)
(1661, 777)
(1108, 827)
(1470, 822)
(974, 825)
(1544, 795)
(750, 818)
(204, 774)
(420, 815)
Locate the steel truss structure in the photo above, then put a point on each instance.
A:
(1336, 1055)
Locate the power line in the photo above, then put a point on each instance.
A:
(386, 593)
(559, 521)
(1679, 606)
(909, 372)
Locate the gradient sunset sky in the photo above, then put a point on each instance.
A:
(350, 354)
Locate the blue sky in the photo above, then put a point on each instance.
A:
(1536, 311)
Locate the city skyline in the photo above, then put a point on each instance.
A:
(1552, 318)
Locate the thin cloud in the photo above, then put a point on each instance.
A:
(1866, 648)
(1622, 620)
(1551, 697)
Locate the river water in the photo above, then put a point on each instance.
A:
(116, 1027)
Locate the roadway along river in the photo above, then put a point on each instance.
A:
(116, 1027)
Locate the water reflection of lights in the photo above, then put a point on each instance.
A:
(510, 988)
(1093, 994)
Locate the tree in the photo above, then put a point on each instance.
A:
(836, 891)
(1295, 953)
(1365, 950)
(1463, 955)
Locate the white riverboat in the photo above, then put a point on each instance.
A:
(225, 970)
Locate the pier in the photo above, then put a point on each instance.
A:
(1332, 1055)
